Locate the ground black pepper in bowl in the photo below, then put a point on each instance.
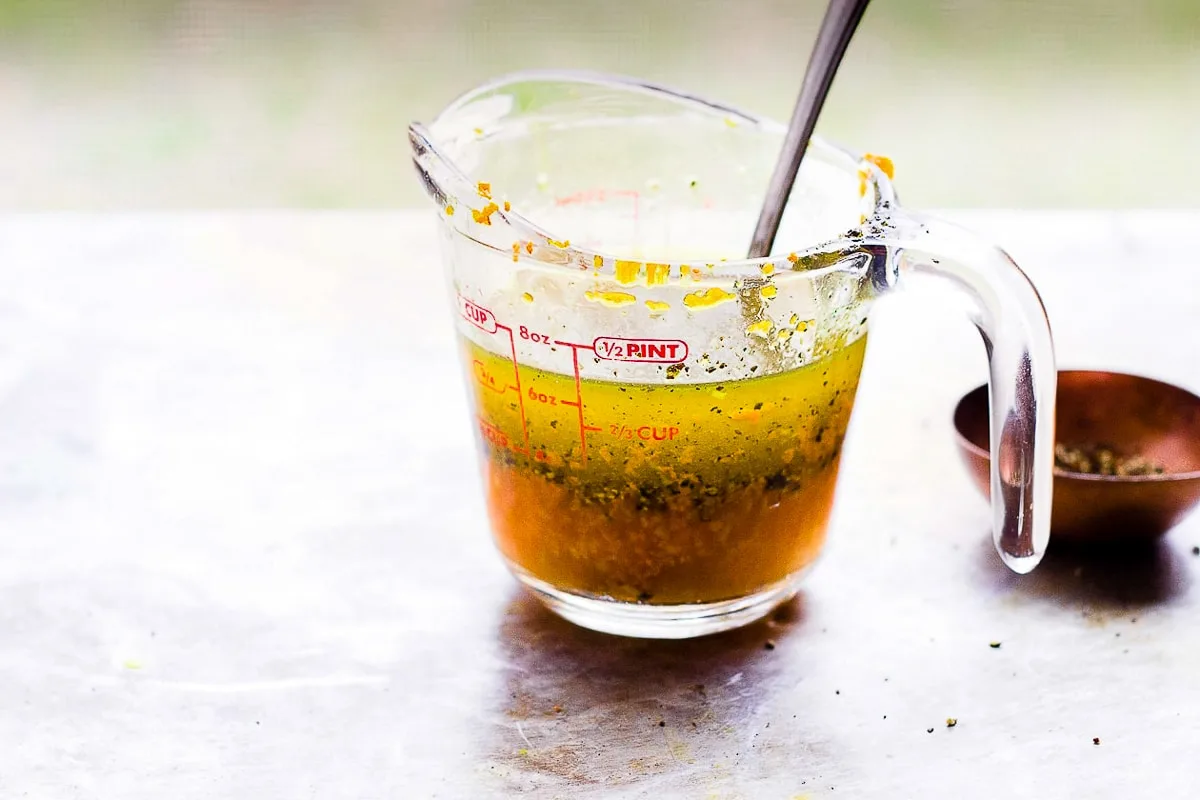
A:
(1101, 459)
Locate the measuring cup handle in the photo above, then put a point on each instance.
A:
(1008, 312)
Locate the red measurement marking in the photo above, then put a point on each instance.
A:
(646, 351)
(583, 428)
(499, 438)
(493, 434)
(579, 407)
(646, 433)
(592, 428)
(537, 338)
(600, 196)
(488, 380)
(545, 399)
(512, 348)
(478, 316)
(657, 433)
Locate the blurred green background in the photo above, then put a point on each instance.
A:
(299, 103)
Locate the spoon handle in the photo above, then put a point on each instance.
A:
(841, 20)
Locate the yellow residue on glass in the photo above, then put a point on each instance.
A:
(516, 251)
(694, 272)
(731, 122)
(131, 663)
(784, 333)
(449, 211)
(627, 271)
(653, 185)
(746, 415)
(597, 261)
(613, 299)
(657, 306)
(563, 245)
(529, 248)
(884, 163)
(707, 298)
(484, 189)
(767, 269)
(507, 206)
(543, 181)
(862, 182)
(527, 297)
(657, 274)
(768, 291)
(792, 257)
(479, 131)
(792, 320)
(761, 329)
(484, 215)
(802, 326)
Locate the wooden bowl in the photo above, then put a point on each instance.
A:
(1134, 415)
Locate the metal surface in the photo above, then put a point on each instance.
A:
(1133, 414)
(837, 28)
(244, 553)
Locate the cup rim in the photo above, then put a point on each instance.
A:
(553, 253)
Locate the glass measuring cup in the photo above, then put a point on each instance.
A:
(659, 419)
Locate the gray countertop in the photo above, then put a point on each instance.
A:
(243, 551)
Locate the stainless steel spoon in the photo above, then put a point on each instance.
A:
(841, 20)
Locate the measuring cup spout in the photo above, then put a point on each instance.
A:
(448, 186)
